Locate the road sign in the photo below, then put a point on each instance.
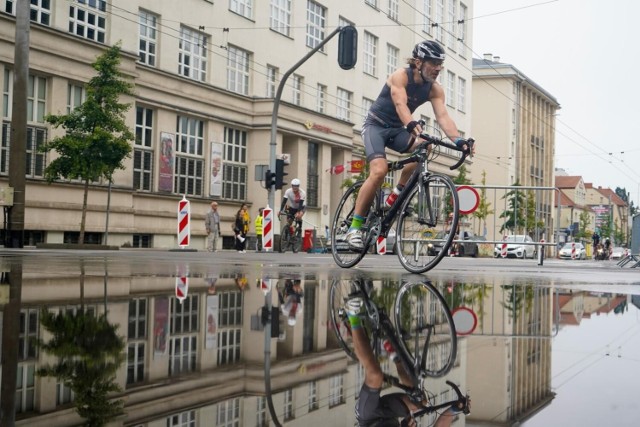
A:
(465, 320)
(469, 199)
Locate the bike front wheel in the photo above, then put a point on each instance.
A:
(341, 291)
(285, 238)
(342, 254)
(427, 223)
(425, 327)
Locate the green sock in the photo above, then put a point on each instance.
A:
(355, 322)
(356, 222)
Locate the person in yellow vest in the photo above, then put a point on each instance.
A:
(258, 224)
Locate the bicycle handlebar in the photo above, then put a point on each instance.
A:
(431, 140)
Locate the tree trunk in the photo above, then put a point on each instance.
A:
(84, 212)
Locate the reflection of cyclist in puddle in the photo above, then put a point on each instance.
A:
(291, 300)
(373, 410)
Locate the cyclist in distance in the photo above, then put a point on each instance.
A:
(294, 202)
(373, 410)
(390, 123)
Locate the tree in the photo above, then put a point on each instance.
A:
(96, 139)
(484, 207)
(514, 215)
(532, 222)
(585, 221)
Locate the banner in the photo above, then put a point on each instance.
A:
(215, 188)
(356, 166)
(165, 181)
(160, 325)
(211, 334)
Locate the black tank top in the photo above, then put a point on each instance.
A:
(383, 108)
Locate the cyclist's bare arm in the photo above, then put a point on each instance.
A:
(445, 121)
(397, 82)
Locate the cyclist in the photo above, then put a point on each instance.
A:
(389, 123)
(373, 410)
(294, 202)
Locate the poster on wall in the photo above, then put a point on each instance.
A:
(165, 182)
(160, 325)
(211, 335)
(216, 170)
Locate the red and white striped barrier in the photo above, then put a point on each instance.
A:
(503, 250)
(573, 251)
(381, 245)
(184, 219)
(265, 286)
(267, 229)
(182, 288)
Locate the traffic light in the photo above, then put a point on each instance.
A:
(348, 47)
(280, 174)
(269, 179)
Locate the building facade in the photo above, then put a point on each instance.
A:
(205, 78)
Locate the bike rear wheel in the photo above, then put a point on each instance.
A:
(285, 238)
(341, 290)
(425, 327)
(342, 254)
(427, 223)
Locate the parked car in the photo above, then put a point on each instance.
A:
(567, 249)
(467, 248)
(518, 246)
(618, 252)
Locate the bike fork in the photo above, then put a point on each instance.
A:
(425, 212)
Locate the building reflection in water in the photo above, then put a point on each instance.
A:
(197, 358)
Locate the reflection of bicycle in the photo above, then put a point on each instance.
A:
(427, 205)
(291, 233)
(423, 333)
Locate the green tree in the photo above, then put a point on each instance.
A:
(585, 221)
(484, 207)
(89, 353)
(96, 139)
(515, 215)
(532, 222)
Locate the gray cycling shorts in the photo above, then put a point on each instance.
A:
(371, 407)
(377, 137)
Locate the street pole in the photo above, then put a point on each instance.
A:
(274, 115)
(17, 152)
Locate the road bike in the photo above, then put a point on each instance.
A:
(291, 234)
(423, 333)
(427, 213)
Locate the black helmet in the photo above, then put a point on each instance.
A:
(427, 50)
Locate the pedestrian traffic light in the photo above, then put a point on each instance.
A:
(269, 179)
(348, 47)
(280, 174)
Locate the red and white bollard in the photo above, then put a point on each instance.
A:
(381, 245)
(184, 220)
(265, 286)
(573, 250)
(182, 287)
(503, 250)
(267, 229)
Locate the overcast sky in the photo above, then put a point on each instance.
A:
(585, 54)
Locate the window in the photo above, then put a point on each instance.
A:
(313, 396)
(462, 29)
(35, 160)
(336, 390)
(75, 97)
(426, 17)
(190, 135)
(228, 414)
(183, 419)
(261, 412)
(189, 171)
(230, 327)
(88, 19)
(142, 152)
(297, 89)
(321, 98)
(366, 106)
(453, 24)
(439, 19)
(370, 51)
(316, 22)
(272, 76)
(238, 70)
(148, 38)
(234, 176)
(25, 387)
(137, 334)
(184, 335)
(64, 394)
(28, 336)
(451, 89)
(289, 412)
(242, 7)
(281, 16)
(393, 54)
(462, 96)
(7, 93)
(40, 10)
(192, 58)
(312, 174)
(393, 10)
(36, 98)
(343, 108)
(372, 3)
